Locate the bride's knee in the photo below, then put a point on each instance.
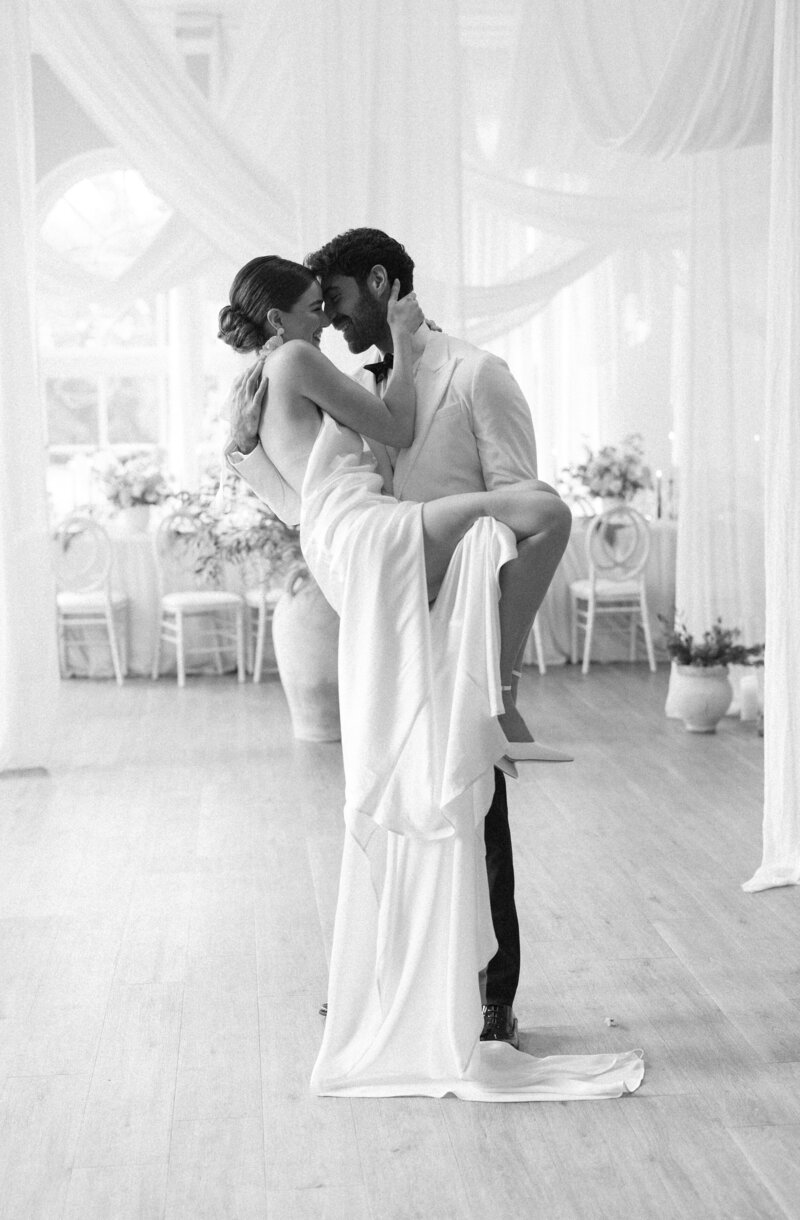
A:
(555, 520)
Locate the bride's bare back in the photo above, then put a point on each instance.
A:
(290, 421)
(302, 383)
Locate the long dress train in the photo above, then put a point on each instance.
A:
(419, 694)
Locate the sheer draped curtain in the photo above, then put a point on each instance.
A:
(28, 669)
(780, 863)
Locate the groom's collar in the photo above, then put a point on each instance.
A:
(419, 341)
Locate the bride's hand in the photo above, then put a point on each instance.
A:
(247, 398)
(403, 313)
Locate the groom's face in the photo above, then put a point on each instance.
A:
(355, 311)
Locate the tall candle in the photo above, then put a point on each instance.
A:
(748, 697)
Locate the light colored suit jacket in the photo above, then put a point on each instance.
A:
(473, 428)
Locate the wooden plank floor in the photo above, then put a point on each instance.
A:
(166, 904)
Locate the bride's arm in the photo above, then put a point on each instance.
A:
(315, 377)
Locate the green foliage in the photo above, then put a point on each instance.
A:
(719, 646)
(247, 534)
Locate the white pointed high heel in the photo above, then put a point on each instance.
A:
(535, 751)
(505, 765)
(532, 751)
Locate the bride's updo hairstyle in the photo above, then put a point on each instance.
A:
(265, 283)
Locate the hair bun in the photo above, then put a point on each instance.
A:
(238, 330)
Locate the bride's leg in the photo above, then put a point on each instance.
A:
(523, 585)
(541, 523)
(526, 508)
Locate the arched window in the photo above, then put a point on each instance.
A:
(103, 348)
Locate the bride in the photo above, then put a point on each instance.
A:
(421, 701)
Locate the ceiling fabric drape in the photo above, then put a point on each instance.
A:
(134, 90)
(709, 90)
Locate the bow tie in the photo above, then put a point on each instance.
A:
(381, 367)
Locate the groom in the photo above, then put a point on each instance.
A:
(473, 433)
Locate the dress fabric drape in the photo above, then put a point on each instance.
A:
(28, 667)
(419, 697)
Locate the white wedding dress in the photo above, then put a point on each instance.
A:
(419, 694)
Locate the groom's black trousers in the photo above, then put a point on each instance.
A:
(502, 974)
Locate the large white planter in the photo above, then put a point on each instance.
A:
(305, 633)
(701, 696)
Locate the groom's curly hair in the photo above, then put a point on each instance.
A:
(357, 251)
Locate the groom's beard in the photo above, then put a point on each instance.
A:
(365, 324)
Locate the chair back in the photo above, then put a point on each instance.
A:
(617, 544)
(179, 544)
(83, 555)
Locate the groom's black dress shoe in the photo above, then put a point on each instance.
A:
(500, 1024)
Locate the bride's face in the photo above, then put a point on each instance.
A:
(305, 320)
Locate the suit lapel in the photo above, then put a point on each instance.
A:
(431, 380)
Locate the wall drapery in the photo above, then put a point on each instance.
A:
(780, 864)
(28, 669)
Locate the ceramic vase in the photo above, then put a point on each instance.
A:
(305, 634)
(136, 518)
(702, 696)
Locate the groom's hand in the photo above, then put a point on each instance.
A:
(248, 395)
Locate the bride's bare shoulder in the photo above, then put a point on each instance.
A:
(295, 358)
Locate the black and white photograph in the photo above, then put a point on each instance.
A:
(399, 541)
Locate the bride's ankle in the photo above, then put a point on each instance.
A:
(513, 725)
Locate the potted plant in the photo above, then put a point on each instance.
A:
(134, 484)
(702, 691)
(614, 474)
(246, 535)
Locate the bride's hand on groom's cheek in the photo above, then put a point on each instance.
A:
(247, 403)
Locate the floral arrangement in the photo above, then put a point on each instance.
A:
(615, 470)
(248, 534)
(134, 480)
(718, 646)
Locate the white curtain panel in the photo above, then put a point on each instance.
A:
(781, 855)
(720, 417)
(28, 668)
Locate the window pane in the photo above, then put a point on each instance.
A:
(71, 411)
(132, 410)
(89, 326)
